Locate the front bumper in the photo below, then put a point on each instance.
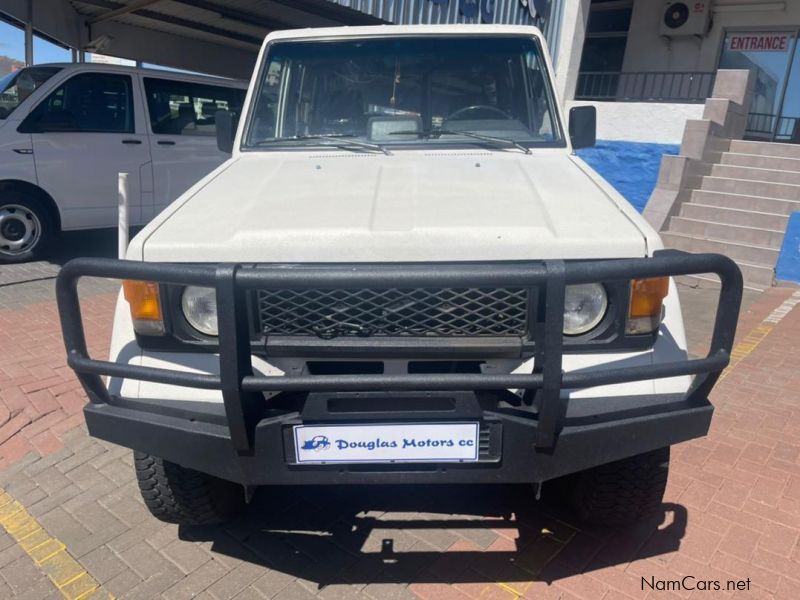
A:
(248, 439)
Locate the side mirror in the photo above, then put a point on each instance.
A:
(225, 122)
(582, 126)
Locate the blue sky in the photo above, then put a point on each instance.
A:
(12, 43)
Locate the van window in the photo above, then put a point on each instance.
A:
(184, 108)
(16, 87)
(88, 102)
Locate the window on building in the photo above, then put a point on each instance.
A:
(788, 128)
(184, 108)
(88, 102)
(604, 48)
(768, 54)
(606, 36)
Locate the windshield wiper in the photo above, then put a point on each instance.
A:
(340, 140)
(434, 133)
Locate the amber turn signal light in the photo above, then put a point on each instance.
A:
(145, 304)
(647, 297)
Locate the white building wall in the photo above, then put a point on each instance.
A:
(567, 54)
(648, 51)
(649, 122)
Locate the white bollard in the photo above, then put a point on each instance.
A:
(122, 188)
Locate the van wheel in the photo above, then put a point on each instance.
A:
(175, 494)
(620, 492)
(26, 228)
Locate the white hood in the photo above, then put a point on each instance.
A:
(407, 207)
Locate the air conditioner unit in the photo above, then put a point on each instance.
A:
(685, 17)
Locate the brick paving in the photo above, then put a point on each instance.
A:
(39, 396)
(731, 512)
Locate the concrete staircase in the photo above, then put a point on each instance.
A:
(740, 205)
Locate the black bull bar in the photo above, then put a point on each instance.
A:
(241, 388)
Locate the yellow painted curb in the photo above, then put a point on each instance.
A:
(745, 347)
(751, 341)
(532, 560)
(48, 553)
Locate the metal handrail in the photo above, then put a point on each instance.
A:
(645, 86)
(770, 125)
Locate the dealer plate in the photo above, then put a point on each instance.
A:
(386, 443)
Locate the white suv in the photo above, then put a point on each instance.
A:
(402, 275)
(67, 130)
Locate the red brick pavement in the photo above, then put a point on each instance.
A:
(731, 512)
(40, 398)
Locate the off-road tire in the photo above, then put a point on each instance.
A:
(175, 494)
(47, 227)
(621, 492)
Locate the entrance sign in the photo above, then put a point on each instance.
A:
(759, 42)
(774, 59)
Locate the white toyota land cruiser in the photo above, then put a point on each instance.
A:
(403, 274)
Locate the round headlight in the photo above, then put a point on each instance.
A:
(199, 306)
(584, 307)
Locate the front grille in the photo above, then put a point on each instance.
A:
(452, 312)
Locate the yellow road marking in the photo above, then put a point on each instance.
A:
(532, 560)
(745, 347)
(751, 341)
(48, 553)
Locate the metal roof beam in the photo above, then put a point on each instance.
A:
(233, 14)
(58, 21)
(122, 10)
(180, 22)
(171, 50)
(335, 12)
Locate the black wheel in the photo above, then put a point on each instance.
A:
(175, 494)
(620, 492)
(26, 228)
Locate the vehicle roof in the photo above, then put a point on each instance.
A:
(398, 30)
(163, 74)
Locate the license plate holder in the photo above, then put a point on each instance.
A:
(386, 443)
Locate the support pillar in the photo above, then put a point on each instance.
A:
(29, 35)
(574, 19)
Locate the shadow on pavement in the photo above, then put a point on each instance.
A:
(401, 534)
(73, 244)
(94, 242)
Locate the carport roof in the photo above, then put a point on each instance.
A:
(220, 37)
(242, 23)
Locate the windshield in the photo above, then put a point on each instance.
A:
(401, 91)
(16, 87)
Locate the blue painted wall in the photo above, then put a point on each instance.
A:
(788, 267)
(631, 167)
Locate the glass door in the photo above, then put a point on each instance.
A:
(788, 126)
(769, 54)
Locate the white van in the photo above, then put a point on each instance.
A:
(67, 130)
